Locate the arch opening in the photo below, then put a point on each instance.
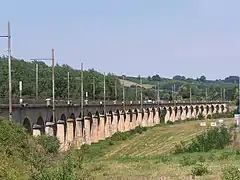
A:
(27, 125)
(40, 122)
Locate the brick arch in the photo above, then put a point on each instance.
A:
(175, 110)
(136, 112)
(207, 107)
(72, 116)
(118, 115)
(191, 109)
(111, 113)
(170, 110)
(181, 110)
(40, 122)
(186, 109)
(27, 124)
(217, 108)
(197, 109)
(212, 107)
(130, 112)
(222, 107)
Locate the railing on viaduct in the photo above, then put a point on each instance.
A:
(95, 126)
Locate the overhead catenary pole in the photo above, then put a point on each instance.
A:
(123, 90)
(190, 94)
(82, 91)
(141, 94)
(9, 72)
(136, 93)
(115, 89)
(94, 89)
(104, 93)
(36, 81)
(206, 95)
(53, 86)
(158, 98)
(68, 87)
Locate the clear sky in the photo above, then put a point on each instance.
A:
(146, 37)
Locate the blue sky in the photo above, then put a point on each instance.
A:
(146, 37)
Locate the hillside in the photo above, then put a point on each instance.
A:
(148, 156)
(26, 72)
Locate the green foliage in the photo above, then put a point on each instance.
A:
(216, 138)
(231, 173)
(200, 116)
(51, 144)
(25, 157)
(25, 71)
(187, 161)
(199, 170)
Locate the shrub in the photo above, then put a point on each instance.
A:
(187, 161)
(231, 173)
(200, 116)
(216, 138)
(199, 170)
(50, 143)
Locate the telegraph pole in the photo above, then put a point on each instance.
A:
(158, 99)
(93, 88)
(206, 94)
(123, 90)
(190, 94)
(224, 91)
(82, 90)
(136, 93)
(115, 89)
(9, 72)
(141, 94)
(36, 81)
(104, 93)
(68, 87)
(52, 59)
(53, 85)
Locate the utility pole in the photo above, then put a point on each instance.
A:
(221, 94)
(224, 91)
(9, 72)
(136, 93)
(123, 90)
(36, 81)
(190, 95)
(82, 91)
(155, 89)
(52, 59)
(94, 89)
(206, 94)
(158, 99)
(141, 94)
(115, 89)
(68, 87)
(20, 92)
(104, 93)
(53, 85)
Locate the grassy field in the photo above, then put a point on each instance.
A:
(147, 156)
(128, 83)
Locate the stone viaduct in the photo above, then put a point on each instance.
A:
(99, 122)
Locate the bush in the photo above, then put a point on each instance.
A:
(50, 143)
(199, 170)
(187, 161)
(231, 173)
(200, 117)
(216, 138)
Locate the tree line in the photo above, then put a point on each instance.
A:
(94, 84)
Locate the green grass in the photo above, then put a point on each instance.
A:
(142, 153)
